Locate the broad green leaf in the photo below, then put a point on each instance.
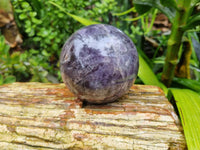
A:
(141, 9)
(169, 3)
(83, 21)
(9, 79)
(125, 12)
(169, 12)
(23, 16)
(147, 75)
(188, 104)
(188, 83)
(192, 22)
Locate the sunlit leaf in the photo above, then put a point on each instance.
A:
(188, 104)
(83, 21)
(147, 75)
(125, 12)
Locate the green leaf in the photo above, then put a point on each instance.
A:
(188, 104)
(9, 79)
(169, 3)
(192, 22)
(1, 79)
(141, 9)
(152, 20)
(136, 18)
(168, 11)
(125, 12)
(188, 83)
(194, 2)
(23, 16)
(83, 21)
(147, 75)
(36, 5)
(4, 48)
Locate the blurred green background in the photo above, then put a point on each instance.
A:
(166, 34)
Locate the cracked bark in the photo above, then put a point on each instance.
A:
(48, 116)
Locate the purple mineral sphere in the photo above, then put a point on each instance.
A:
(99, 63)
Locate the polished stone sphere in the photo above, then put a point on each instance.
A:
(99, 63)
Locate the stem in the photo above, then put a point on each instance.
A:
(182, 69)
(152, 20)
(174, 43)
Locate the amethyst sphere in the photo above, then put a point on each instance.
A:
(99, 63)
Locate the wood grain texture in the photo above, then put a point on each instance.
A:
(48, 116)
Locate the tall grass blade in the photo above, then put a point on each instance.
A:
(147, 75)
(196, 46)
(188, 104)
(83, 21)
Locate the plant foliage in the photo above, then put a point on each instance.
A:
(45, 26)
(183, 18)
(188, 103)
(28, 66)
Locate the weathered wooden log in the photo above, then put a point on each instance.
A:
(48, 116)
